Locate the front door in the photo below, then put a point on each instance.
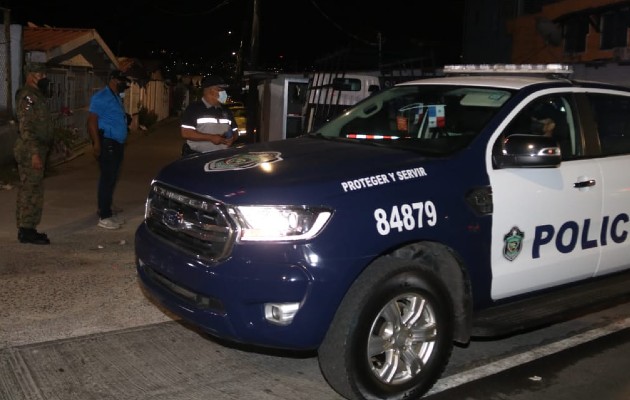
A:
(546, 221)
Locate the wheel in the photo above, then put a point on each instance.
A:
(392, 335)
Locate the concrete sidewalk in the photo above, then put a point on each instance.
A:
(85, 280)
(70, 188)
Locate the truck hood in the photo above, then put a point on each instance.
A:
(303, 170)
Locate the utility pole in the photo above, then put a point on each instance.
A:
(7, 67)
(379, 38)
(253, 45)
(254, 39)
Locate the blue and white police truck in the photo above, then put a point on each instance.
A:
(488, 201)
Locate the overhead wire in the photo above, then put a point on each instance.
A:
(197, 11)
(340, 28)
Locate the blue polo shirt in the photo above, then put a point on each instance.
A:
(111, 114)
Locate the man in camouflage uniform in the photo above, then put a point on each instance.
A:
(31, 151)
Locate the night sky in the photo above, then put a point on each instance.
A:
(295, 31)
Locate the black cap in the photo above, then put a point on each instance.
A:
(546, 110)
(211, 80)
(119, 75)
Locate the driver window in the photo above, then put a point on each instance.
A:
(550, 116)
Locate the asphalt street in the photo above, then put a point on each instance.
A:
(75, 325)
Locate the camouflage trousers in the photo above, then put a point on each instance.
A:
(30, 194)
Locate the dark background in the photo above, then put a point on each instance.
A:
(292, 33)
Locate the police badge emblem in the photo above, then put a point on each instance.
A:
(513, 243)
(243, 161)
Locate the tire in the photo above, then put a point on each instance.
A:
(392, 335)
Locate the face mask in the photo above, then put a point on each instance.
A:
(43, 85)
(222, 97)
(121, 95)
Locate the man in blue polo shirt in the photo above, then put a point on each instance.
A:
(107, 126)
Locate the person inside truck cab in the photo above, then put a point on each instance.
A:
(549, 117)
(544, 120)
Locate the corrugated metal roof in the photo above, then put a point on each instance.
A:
(46, 39)
(61, 44)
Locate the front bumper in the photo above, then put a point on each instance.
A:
(227, 299)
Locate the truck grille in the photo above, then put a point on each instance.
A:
(198, 225)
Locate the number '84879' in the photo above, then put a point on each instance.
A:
(405, 217)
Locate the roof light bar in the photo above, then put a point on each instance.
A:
(562, 69)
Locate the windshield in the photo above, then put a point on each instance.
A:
(437, 119)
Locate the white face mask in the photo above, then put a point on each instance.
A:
(223, 97)
(122, 95)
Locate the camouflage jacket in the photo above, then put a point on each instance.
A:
(34, 120)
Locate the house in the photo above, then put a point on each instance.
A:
(79, 62)
(591, 35)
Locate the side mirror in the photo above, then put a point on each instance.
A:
(527, 151)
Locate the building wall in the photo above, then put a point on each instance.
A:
(10, 69)
(615, 73)
(505, 31)
(530, 46)
(484, 24)
(8, 135)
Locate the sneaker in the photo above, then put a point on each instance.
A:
(118, 219)
(108, 223)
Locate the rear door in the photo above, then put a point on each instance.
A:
(611, 116)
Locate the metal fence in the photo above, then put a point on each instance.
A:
(70, 91)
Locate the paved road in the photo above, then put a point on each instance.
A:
(595, 369)
(170, 361)
(85, 281)
(75, 325)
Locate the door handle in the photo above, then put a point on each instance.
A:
(583, 184)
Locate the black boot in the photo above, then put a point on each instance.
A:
(30, 235)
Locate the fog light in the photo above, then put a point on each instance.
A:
(281, 313)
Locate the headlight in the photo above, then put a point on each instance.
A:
(281, 223)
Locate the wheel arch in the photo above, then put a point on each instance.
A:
(449, 268)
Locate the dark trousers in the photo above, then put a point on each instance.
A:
(110, 160)
(30, 193)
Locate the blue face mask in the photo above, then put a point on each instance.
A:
(223, 97)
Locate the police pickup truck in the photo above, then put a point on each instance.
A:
(482, 203)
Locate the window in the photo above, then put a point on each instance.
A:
(615, 29)
(350, 84)
(575, 31)
(552, 116)
(433, 119)
(612, 117)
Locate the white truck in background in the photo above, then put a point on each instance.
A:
(331, 93)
